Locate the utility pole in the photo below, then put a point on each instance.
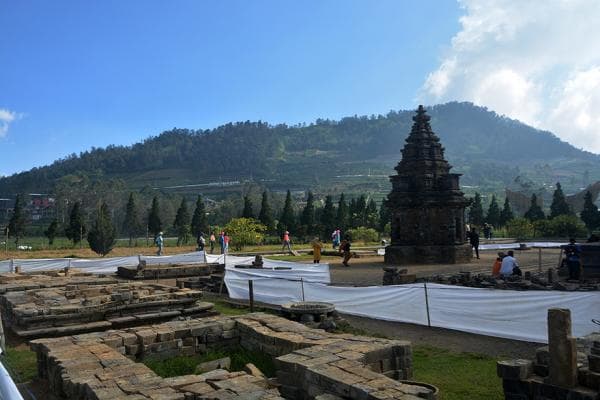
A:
(6, 242)
(80, 236)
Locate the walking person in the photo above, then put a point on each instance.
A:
(201, 242)
(317, 247)
(212, 242)
(226, 243)
(222, 242)
(335, 238)
(159, 241)
(474, 241)
(287, 243)
(345, 250)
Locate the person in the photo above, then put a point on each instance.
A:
(509, 263)
(212, 241)
(486, 230)
(345, 250)
(317, 246)
(474, 241)
(201, 242)
(159, 241)
(335, 238)
(222, 242)
(572, 253)
(497, 264)
(225, 243)
(287, 244)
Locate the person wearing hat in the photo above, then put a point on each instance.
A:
(159, 243)
(573, 251)
(497, 264)
(287, 244)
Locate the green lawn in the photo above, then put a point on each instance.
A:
(20, 363)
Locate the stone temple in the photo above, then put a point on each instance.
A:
(427, 206)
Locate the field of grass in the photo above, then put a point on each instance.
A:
(20, 362)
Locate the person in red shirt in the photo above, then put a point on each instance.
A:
(287, 244)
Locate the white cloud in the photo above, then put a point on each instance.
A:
(6, 117)
(537, 61)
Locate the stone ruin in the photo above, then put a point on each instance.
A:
(427, 206)
(311, 364)
(18, 281)
(170, 271)
(395, 276)
(557, 373)
(31, 306)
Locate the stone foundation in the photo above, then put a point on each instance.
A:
(169, 271)
(403, 255)
(312, 364)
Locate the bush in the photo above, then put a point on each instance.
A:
(519, 228)
(244, 232)
(364, 234)
(566, 226)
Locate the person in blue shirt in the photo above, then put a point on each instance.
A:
(159, 243)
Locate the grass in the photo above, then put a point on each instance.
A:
(183, 365)
(457, 375)
(21, 363)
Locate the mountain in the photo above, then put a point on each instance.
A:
(355, 154)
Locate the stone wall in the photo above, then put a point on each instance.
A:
(311, 363)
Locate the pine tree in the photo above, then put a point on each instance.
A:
(307, 218)
(476, 211)
(154, 222)
(359, 212)
(507, 213)
(493, 214)
(247, 212)
(342, 217)
(371, 215)
(52, 231)
(266, 213)
(328, 218)
(76, 230)
(131, 225)
(385, 216)
(18, 220)
(559, 204)
(352, 214)
(199, 221)
(535, 212)
(590, 214)
(102, 236)
(182, 223)
(287, 221)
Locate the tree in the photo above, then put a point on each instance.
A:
(307, 218)
(535, 212)
(154, 222)
(590, 214)
(507, 213)
(327, 218)
(199, 221)
(385, 217)
(342, 217)
(520, 228)
(287, 219)
(559, 204)
(266, 213)
(131, 225)
(76, 228)
(476, 211)
(244, 232)
(371, 215)
(247, 212)
(493, 214)
(182, 223)
(102, 236)
(52, 231)
(18, 220)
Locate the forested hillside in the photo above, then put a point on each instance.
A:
(353, 154)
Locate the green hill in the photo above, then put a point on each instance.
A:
(355, 154)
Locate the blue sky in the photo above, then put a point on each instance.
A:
(77, 74)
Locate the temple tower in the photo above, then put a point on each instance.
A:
(427, 206)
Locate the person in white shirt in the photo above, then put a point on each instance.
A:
(508, 264)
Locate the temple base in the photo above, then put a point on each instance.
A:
(400, 255)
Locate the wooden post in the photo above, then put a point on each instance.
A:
(539, 259)
(251, 294)
(302, 285)
(427, 304)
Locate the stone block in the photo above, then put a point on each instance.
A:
(221, 363)
(146, 337)
(594, 363)
(514, 369)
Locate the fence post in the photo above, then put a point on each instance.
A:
(251, 294)
(302, 286)
(427, 304)
(539, 259)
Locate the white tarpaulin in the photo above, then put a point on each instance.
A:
(99, 265)
(278, 270)
(519, 315)
(502, 246)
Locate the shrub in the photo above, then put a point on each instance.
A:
(364, 234)
(244, 232)
(519, 228)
